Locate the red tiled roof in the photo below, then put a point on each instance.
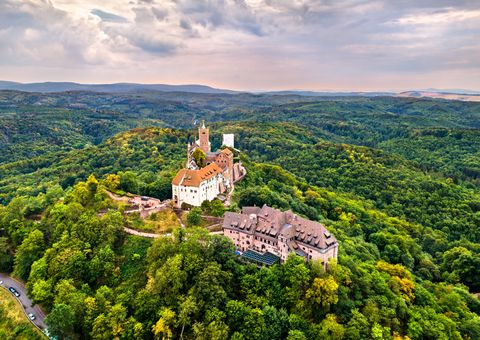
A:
(193, 178)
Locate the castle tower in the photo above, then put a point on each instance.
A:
(204, 138)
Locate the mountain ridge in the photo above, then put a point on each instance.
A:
(48, 87)
(125, 87)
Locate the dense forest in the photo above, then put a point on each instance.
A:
(396, 180)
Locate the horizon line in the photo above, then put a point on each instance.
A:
(464, 91)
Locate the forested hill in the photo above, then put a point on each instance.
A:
(445, 133)
(395, 180)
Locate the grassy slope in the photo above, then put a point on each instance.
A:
(13, 321)
(159, 223)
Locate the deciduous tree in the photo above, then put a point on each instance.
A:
(61, 321)
(29, 251)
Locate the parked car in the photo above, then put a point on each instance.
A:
(32, 316)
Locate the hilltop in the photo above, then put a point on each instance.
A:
(379, 247)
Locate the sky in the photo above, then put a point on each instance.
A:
(245, 44)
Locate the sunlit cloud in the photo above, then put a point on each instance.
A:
(445, 17)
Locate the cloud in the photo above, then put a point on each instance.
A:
(245, 43)
(443, 17)
(159, 13)
(109, 17)
(37, 32)
(152, 44)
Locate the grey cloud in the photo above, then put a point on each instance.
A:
(185, 24)
(30, 14)
(159, 13)
(108, 17)
(360, 32)
(153, 45)
(222, 13)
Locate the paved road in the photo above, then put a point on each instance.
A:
(24, 300)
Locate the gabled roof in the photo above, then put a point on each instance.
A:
(193, 178)
(250, 210)
(270, 222)
(307, 232)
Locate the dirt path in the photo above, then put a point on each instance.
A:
(178, 213)
(116, 197)
(151, 235)
(142, 234)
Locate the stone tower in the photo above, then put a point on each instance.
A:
(204, 138)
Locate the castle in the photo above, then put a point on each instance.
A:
(266, 235)
(263, 235)
(214, 176)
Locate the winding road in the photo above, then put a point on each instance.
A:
(24, 300)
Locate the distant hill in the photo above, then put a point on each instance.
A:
(331, 93)
(457, 91)
(473, 97)
(52, 87)
(47, 87)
